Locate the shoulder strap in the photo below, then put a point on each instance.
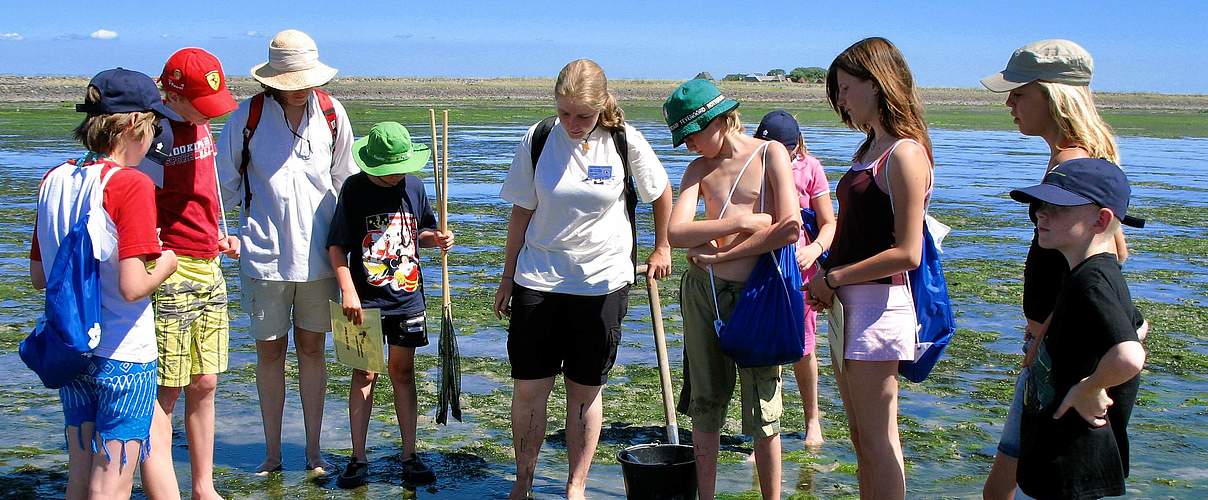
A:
(726, 205)
(540, 134)
(621, 142)
(249, 129)
(329, 113)
(717, 322)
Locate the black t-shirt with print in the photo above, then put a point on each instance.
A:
(1066, 457)
(379, 228)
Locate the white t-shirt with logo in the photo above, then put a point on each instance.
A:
(579, 239)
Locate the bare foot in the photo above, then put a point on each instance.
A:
(813, 434)
(269, 466)
(751, 458)
(206, 494)
(318, 466)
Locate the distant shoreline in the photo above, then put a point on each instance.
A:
(525, 91)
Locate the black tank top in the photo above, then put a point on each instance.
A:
(865, 225)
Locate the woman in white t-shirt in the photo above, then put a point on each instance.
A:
(568, 266)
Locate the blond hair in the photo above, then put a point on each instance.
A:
(583, 81)
(800, 151)
(1073, 109)
(102, 133)
(898, 103)
(733, 121)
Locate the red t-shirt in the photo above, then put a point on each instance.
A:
(188, 199)
(129, 199)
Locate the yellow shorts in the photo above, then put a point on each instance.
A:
(192, 328)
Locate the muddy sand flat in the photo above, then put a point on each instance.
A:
(521, 90)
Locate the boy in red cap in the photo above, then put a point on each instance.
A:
(191, 322)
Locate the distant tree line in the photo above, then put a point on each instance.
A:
(812, 74)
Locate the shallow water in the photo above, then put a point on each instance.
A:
(950, 424)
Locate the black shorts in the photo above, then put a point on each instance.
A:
(576, 335)
(405, 331)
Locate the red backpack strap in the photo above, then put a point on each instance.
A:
(249, 129)
(329, 113)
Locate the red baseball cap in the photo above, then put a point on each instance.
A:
(197, 76)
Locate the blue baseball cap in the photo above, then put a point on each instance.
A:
(126, 91)
(1083, 181)
(779, 126)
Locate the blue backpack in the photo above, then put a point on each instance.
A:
(767, 327)
(61, 345)
(809, 222)
(932, 307)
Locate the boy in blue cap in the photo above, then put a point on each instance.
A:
(1083, 383)
(107, 408)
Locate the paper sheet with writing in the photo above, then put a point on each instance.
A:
(834, 334)
(361, 347)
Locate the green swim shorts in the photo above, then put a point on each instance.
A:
(711, 374)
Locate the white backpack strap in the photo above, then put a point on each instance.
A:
(739, 178)
(712, 285)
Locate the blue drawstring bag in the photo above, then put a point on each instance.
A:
(61, 344)
(809, 221)
(932, 307)
(767, 327)
(929, 291)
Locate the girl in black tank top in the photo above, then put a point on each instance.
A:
(872, 90)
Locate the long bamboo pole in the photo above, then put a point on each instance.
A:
(444, 206)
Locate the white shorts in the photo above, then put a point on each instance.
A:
(879, 322)
(272, 305)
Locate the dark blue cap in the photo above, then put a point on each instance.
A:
(1080, 182)
(161, 145)
(125, 91)
(779, 126)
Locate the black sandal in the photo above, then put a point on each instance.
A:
(355, 475)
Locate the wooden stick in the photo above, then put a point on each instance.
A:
(660, 346)
(444, 207)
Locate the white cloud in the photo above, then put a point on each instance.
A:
(103, 34)
(255, 34)
(14, 37)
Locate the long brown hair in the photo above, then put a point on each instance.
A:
(583, 81)
(898, 104)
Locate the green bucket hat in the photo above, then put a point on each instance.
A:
(692, 106)
(388, 150)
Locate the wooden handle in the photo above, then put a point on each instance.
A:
(660, 346)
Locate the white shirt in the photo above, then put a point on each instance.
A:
(127, 330)
(579, 239)
(294, 182)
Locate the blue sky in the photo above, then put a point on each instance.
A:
(1159, 46)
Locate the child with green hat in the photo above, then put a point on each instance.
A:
(742, 221)
(382, 219)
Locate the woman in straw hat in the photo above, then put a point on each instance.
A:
(878, 239)
(566, 292)
(283, 157)
(1047, 85)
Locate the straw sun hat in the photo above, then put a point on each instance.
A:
(293, 63)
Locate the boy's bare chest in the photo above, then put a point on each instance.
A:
(743, 193)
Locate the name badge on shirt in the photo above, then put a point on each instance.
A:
(599, 173)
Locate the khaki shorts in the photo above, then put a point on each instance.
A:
(192, 328)
(711, 374)
(275, 306)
